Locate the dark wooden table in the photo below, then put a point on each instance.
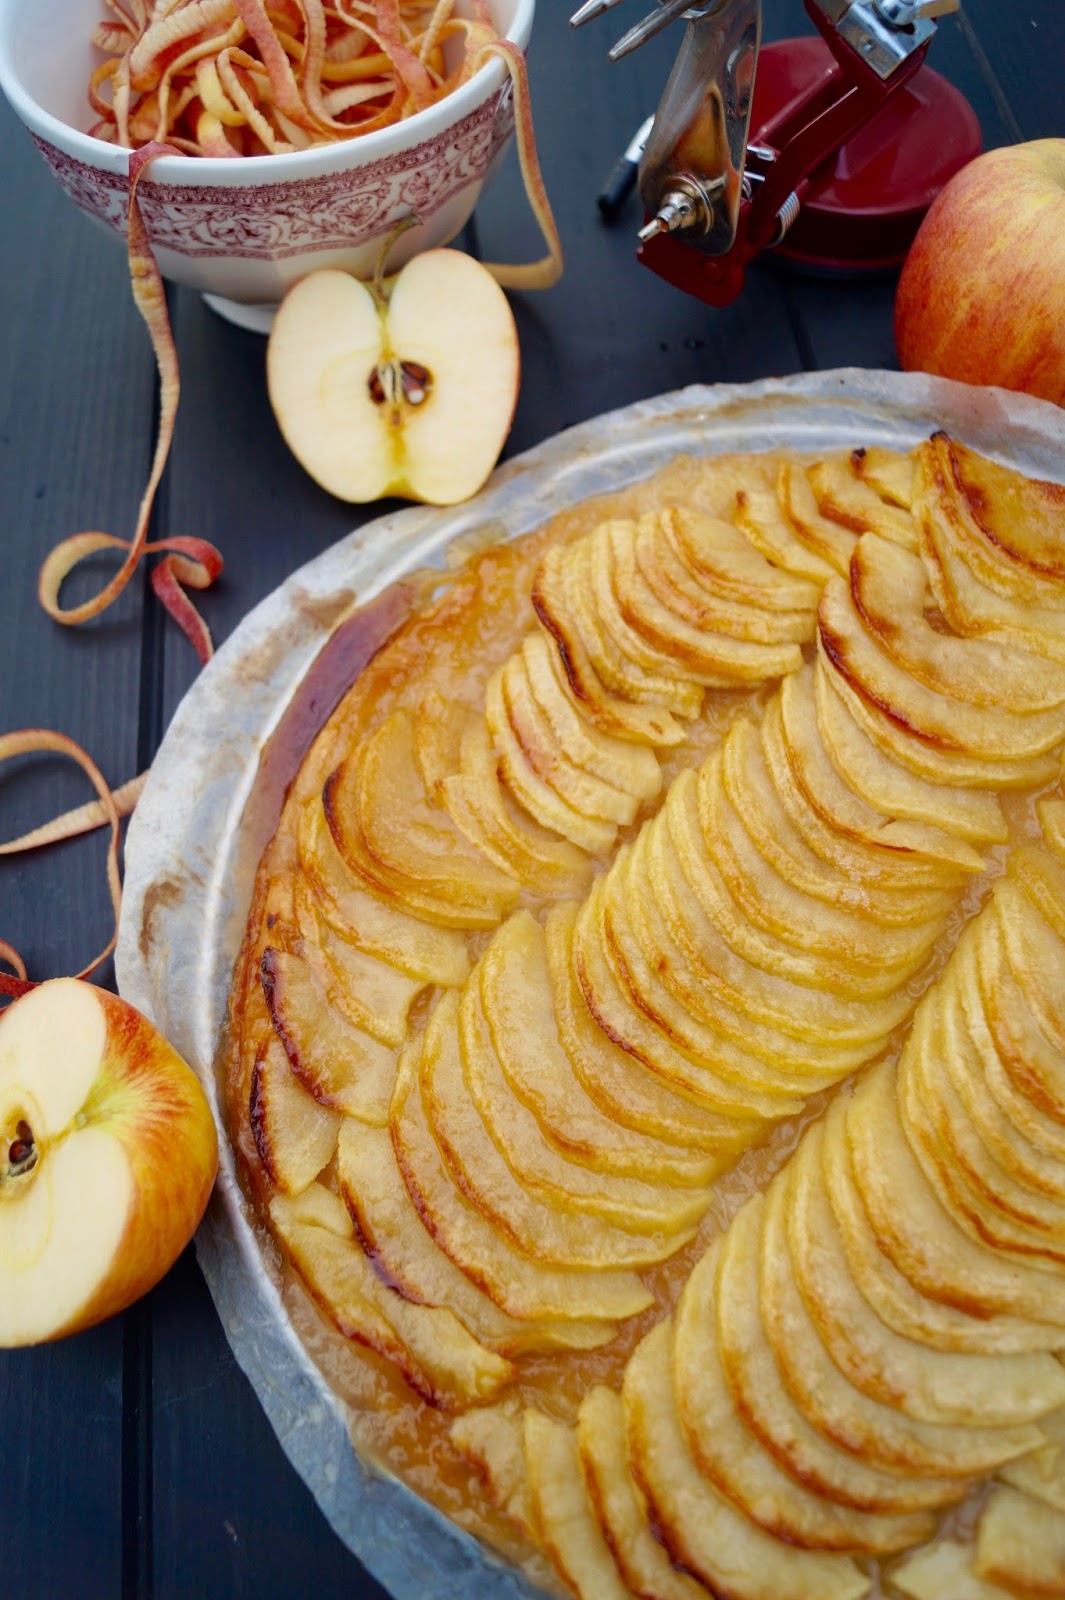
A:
(134, 1459)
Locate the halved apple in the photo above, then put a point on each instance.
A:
(107, 1158)
(403, 388)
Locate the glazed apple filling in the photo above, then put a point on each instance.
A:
(648, 1050)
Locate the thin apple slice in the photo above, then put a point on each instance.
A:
(632, 768)
(940, 1569)
(892, 473)
(1042, 1474)
(433, 954)
(915, 1231)
(892, 1296)
(482, 810)
(622, 1020)
(624, 660)
(408, 1259)
(707, 654)
(676, 585)
(429, 1345)
(563, 1518)
(633, 1204)
(1020, 1543)
(1012, 522)
(738, 1465)
(890, 590)
(784, 1063)
(612, 715)
(703, 1532)
(586, 792)
(553, 1234)
(843, 496)
(294, 1135)
(878, 1434)
(932, 1385)
(831, 798)
(624, 1091)
(722, 559)
(339, 1065)
(519, 1285)
(640, 974)
(107, 1158)
(828, 538)
(529, 788)
(519, 1006)
(763, 521)
(969, 814)
(438, 729)
(768, 1408)
(492, 1438)
(618, 1507)
(372, 994)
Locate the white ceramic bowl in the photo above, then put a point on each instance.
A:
(244, 230)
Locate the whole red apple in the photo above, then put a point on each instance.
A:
(982, 293)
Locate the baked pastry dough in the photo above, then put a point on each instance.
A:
(620, 859)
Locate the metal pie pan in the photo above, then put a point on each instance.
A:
(190, 865)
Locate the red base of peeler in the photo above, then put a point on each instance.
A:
(865, 204)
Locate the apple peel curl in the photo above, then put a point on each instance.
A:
(110, 808)
(188, 561)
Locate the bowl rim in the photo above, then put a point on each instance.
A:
(264, 170)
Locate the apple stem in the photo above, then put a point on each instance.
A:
(377, 283)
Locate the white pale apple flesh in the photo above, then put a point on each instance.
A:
(406, 390)
(107, 1157)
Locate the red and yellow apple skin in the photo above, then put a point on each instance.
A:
(982, 293)
(108, 1154)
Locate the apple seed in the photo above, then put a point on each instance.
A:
(393, 381)
(22, 1152)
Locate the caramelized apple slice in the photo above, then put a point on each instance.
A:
(294, 1135)
(834, 802)
(704, 654)
(932, 1385)
(763, 520)
(618, 1506)
(919, 1236)
(641, 975)
(1010, 524)
(582, 792)
(519, 1285)
(371, 994)
(431, 1348)
(843, 497)
(832, 540)
(890, 472)
(529, 789)
(632, 768)
(339, 1065)
(492, 1438)
(701, 1530)
(878, 1434)
(518, 1004)
(890, 591)
(565, 1524)
(494, 824)
(433, 954)
(407, 1258)
(969, 814)
(766, 1404)
(740, 1467)
(631, 1203)
(557, 1234)
(625, 661)
(610, 713)
(626, 1093)
(892, 1296)
(663, 589)
(1020, 1543)
(722, 559)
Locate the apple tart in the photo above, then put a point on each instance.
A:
(648, 1047)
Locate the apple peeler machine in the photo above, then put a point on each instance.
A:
(826, 150)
